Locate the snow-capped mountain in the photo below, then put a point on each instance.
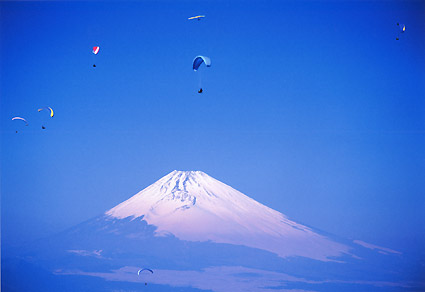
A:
(199, 234)
(193, 206)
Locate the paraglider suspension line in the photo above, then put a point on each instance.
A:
(200, 79)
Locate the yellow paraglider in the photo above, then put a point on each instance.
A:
(47, 108)
(402, 29)
(51, 113)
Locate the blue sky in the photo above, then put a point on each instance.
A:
(311, 107)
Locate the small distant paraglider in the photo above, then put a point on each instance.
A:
(95, 51)
(145, 271)
(20, 119)
(49, 109)
(197, 62)
(51, 113)
(401, 29)
(198, 17)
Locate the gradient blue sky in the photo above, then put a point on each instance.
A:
(310, 107)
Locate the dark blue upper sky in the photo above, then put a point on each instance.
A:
(310, 107)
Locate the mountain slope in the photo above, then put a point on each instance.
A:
(193, 206)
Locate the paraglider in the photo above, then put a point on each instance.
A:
(47, 108)
(50, 111)
(144, 271)
(141, 270)
(401, 29)
(95, 51)
(198, 17)
(197, 62)
(20, 119)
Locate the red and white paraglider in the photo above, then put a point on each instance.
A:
(95, 51)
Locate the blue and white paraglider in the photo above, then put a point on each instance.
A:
(197, 62)
(144, 272)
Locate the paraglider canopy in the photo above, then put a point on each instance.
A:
(21, 119)
(141, 270)
(47, 108)
(96, 50)
(198, 17)
(199, 60)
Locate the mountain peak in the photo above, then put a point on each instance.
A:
(193, 206)
(187, 172)
(184, 175)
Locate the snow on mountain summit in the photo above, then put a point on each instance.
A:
(193, 206)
